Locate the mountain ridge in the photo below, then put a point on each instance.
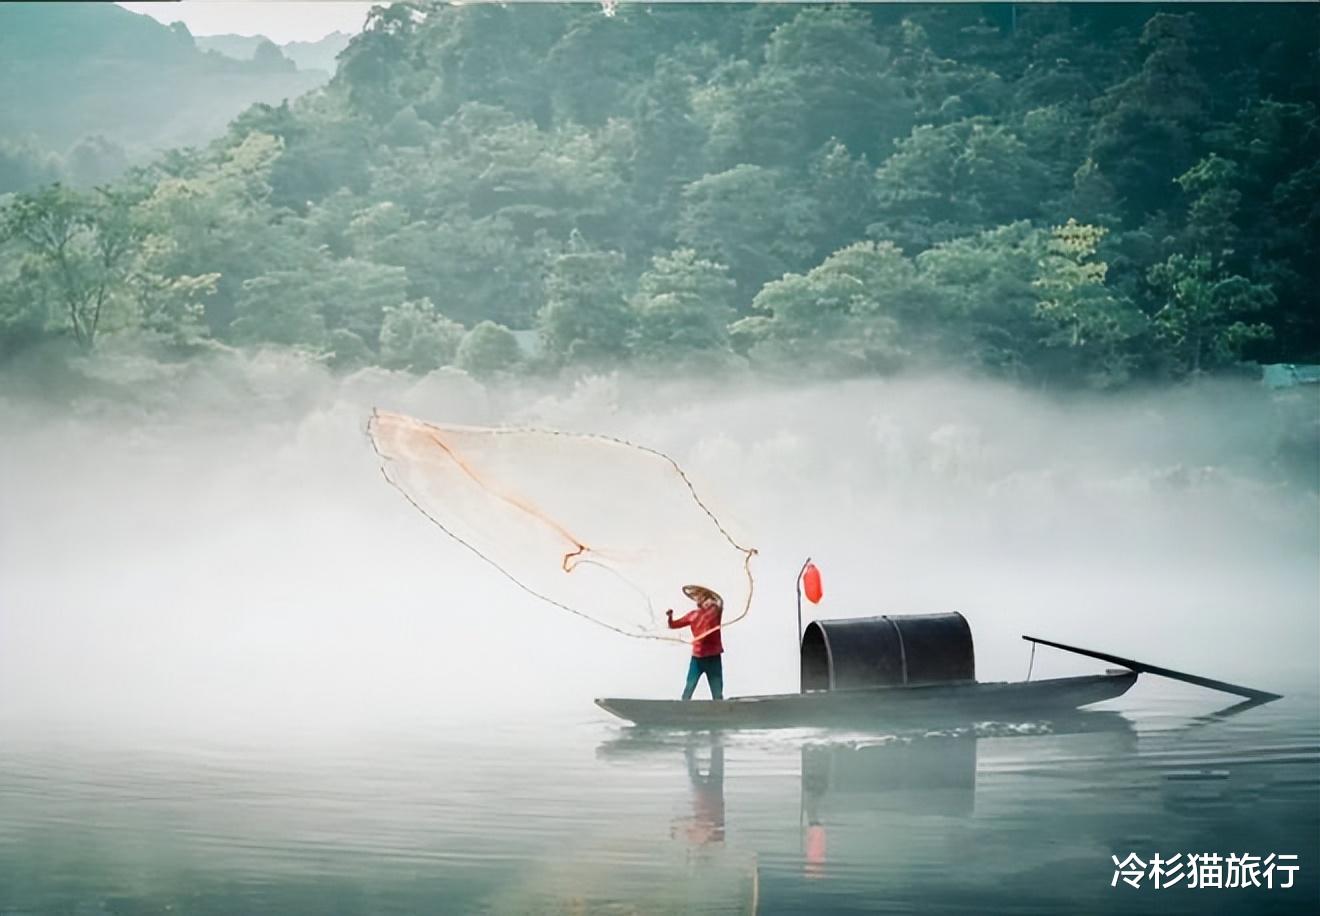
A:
(307, 55)
(74, 70)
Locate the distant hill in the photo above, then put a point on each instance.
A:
(317, 55)
(71, 70)
(307, 55)
(239, 47)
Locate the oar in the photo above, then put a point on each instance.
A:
(1260, 696)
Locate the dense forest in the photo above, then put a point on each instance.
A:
(1066, 195)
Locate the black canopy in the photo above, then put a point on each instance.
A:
(887, 651)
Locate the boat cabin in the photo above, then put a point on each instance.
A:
(887, 651)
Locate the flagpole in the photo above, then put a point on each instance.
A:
(798, 585)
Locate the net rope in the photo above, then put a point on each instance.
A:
(473, 484)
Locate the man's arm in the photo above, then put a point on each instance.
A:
(681, 622)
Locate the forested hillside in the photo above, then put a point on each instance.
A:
(89, 88)
(1072, 195)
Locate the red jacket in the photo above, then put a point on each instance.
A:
(705, 630)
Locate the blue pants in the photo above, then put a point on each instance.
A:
(713, 668)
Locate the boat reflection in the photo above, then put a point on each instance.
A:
(933, 776)
(862, 798)
(879, 801)
(901, 817)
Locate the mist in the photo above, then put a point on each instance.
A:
(213, 549)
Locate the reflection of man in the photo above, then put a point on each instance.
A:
(707, 822)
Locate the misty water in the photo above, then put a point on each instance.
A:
(238, 674)
(582, 815)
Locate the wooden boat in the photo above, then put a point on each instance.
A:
(902, 670)
(864, 706)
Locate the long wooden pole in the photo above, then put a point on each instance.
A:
(1262, 696)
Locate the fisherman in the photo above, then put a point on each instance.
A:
(706, 646)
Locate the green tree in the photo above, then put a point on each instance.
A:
(981, 305)
(24, 314)
(350, 295)
(217, 216)
(1085, 318)
(943, 89)
(406, 129)
(416, 337)
(668, 143)
(487, 162)
(1275, 150)
(1093, 195)
(586, 317)
(78, 250)
(684, 305)
(488, 350)
(595, 65)
(477, 268)
(1210, 227)
(825, 75)
(171, 307)
(271, 309)
(1055, 137)
(844, 314)
(1202, 323)
(485, 53)
(1148, 124)
(751, 219)
(942, 182)
(842, 186)
(321, 148)
(377, 60)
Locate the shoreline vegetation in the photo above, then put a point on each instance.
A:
(1068, 197)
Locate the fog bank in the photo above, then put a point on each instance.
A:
(213, 547)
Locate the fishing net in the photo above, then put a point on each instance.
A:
(597, 526)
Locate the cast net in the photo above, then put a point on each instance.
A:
(597, 526)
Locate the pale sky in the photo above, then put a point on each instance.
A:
(279, 20)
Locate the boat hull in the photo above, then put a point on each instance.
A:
(859, 708)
